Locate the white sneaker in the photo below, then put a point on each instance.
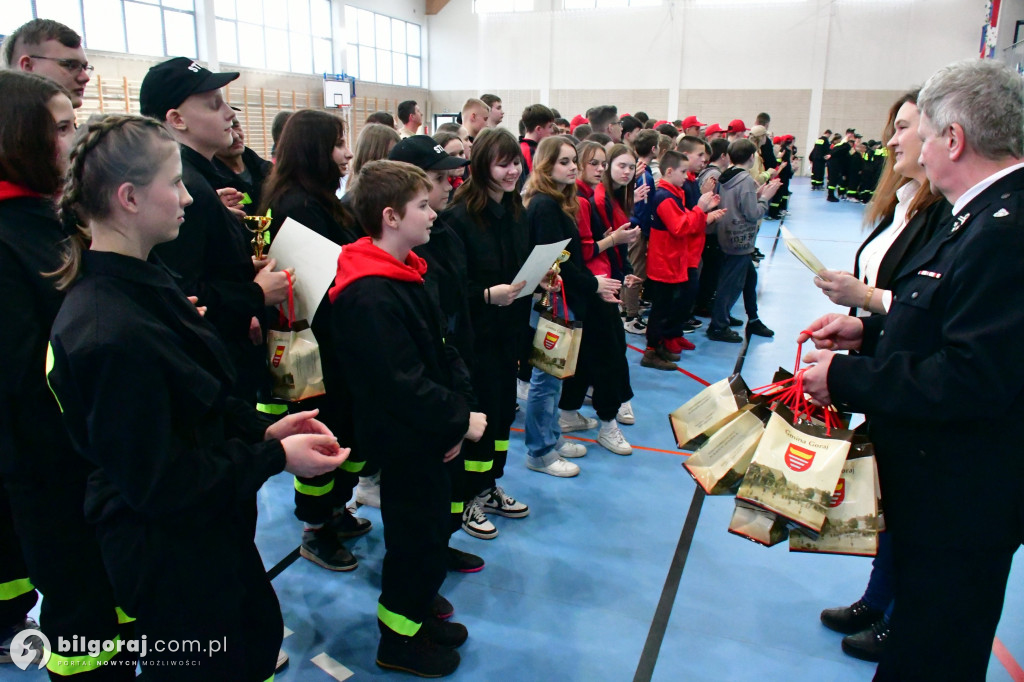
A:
(368, 491)
(611, 438)
(475, 522)
(635, 326)
(571, 450)
(577, 422)
(559, 468)
(497, 501)
(522, 389)
(625, 414)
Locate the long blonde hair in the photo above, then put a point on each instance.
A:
(541, 182)
(373, 144)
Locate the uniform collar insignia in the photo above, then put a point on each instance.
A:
(960, 220)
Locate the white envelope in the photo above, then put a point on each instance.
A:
(315, 260)
(537, 265)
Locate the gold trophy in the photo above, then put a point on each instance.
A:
(258, 224)
(545, 300)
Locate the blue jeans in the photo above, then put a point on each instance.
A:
(543, 434)
(879, 592)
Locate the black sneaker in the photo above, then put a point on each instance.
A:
(727, 335)
(850, 619)
(734, 322)
(418, 654)
(692, 325)
(870, 644)
(441, 608)
(347, 525)
(758, 328)
(323, 548)
(445, 633)
(758, 254)
(464, 562)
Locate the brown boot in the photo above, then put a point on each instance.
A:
(665, 354)
(652, 359)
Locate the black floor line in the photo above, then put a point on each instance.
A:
(656, 634)
(284, 563)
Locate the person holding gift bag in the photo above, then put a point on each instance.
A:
(936, 377)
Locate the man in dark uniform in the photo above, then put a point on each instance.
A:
(817, 157)
(244, 169)
(940, 379)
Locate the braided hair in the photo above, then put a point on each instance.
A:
(108, 152)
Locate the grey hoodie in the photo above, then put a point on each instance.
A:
(738, 227)
(710, 171)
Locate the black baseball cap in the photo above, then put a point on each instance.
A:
(170, 83)
(424, 152)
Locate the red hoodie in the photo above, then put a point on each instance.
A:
(364, 259)
(9, 190)
(675, 231)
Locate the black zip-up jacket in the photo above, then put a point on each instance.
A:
(447, 283)
(33, 440)
(213, 258)
(549, 224)
(496, 247)
(144, 383)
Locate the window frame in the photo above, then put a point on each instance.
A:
(357, 45)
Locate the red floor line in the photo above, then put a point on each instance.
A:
(1009, 662)
(635, 447)
(680, 369)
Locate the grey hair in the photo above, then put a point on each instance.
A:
(986, 98)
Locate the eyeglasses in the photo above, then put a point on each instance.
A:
(72, 66)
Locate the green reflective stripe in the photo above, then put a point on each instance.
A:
(271, 678)
(458, 507)
(352, 467)
(272, 408)
(501, 446)
(72, 665)
(15, 588)
(122, 617)
(49, 368)
(399, 624)
(819, 141)
(479, 467)
(314, 490)
(246, 199)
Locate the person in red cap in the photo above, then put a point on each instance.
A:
(577, 120)
(691, 126)
(735, 130)
(714, 132)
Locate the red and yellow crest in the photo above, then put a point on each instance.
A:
(798, 458)
(550, 339)
(278, 354)
(839, 495)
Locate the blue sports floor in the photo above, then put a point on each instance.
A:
(571, 591)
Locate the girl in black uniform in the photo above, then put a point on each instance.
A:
(487, 214)
(44, 478)
(145, 387)
(310, 156)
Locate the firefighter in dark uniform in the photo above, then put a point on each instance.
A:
(817, 158)
(43, 477)
(838, 159)
(144, 385)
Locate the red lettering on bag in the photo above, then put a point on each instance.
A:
(798, 458)
(550, 339)
(278, 354)
(839, 495)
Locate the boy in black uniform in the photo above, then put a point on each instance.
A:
(411, 408)
(817, 157)
(244, 168)
(212, 255)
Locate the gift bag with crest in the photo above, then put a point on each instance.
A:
(294, 356)
(700, 417)
(758, 525)
(556, 343)
(719, 464)
(852, 520)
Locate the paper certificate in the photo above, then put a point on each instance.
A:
(315, 260)
(537, 265)
(802, 253)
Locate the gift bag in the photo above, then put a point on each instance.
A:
(795, 469)
(852, 518)
(294, 357)
(556, 343)
(758, 525)
(719, 464)
(711, 409)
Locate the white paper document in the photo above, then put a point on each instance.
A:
(802, 253)
(315, 260)
(537, 265)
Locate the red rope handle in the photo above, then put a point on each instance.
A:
(290, 318)
(790, 392)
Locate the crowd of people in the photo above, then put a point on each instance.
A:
(853, 166)
(130, 467)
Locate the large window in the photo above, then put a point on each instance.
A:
(485, 6)
(382, 49)
(281, 35)
(591, 4)
(150, 27)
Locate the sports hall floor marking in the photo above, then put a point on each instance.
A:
(331, 667)
(1004, 656)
